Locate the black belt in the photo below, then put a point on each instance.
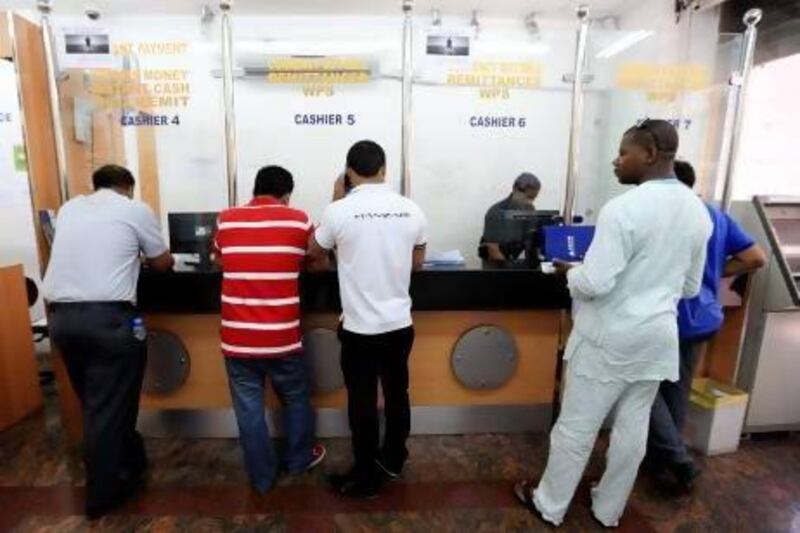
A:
(119, 306)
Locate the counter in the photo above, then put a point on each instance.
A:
(432, 289)
(484, 357)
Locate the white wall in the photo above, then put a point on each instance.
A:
(767, 162)
(17, 235)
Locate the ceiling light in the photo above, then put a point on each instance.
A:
(436, 15)
(532, 25)
(474, 23)
(623, 44)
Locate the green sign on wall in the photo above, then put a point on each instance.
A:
(20, 159)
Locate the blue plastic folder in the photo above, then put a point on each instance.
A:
(568, 243)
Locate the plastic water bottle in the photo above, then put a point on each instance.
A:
(138, 329)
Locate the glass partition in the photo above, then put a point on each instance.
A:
(488, 104)
(481, 120)
(141, 92)
(306, 89)
(638, 74)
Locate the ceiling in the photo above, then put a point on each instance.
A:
(487, 8)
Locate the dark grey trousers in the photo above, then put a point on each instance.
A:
(106, 365)
(665, 441)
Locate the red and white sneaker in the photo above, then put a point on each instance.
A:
(318, 453)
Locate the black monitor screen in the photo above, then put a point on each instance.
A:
(517, 224)
(192, 233)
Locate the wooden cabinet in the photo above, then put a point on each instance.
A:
(20, 393)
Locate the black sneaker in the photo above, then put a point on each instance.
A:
(389, 472)
(686, 474)
(652, 465)
(354, 487)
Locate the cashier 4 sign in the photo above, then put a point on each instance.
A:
(146, 81)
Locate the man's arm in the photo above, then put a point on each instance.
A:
(161, 263)
(746, 261)
(418, 259)
(743, 252)
(321, 241)
(605, 260)
(151, 242)
(421, 242)
(494, 252)
(492, 223)
(694, 278)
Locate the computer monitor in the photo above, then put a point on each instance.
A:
(520, 232)
(193, 233)
(533, 217)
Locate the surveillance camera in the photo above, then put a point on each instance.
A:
(92, 13)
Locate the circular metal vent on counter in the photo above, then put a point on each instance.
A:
(324, 355)
(168, 363)
(485, 358)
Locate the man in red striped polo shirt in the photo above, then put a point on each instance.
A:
(262, 248)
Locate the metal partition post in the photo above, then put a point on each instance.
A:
(573, 161)
(739, 82)
(227, 94)
(408, 72)
(45, 8)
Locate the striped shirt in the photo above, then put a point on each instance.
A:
(262, 247)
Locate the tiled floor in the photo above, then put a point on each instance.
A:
(453, 483)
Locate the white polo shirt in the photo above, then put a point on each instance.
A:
(374, 231)
(95, 255)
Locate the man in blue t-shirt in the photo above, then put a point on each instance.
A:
(731, 252)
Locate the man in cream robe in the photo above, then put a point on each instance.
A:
(648, 252)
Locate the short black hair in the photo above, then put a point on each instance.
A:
(656, 133)
(685, 173)
(273, 181)
(366, 158)
(109, 176)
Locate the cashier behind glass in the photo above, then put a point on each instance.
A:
(503, 237)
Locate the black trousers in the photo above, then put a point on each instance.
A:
(106, 365)
(365, 360)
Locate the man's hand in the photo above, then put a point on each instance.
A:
(339, 188)
(418, 258)
(318, 258)
(561, 266)
(494, 252)
(746, 261)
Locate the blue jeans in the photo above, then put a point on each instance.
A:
(290, 378)
(665, 441)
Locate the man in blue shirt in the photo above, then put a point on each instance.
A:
(731, 252)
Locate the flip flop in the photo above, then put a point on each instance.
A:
(523, 491)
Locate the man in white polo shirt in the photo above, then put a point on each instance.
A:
(90, 287)
(379, 237)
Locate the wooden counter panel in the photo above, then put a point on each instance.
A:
(432, 380)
